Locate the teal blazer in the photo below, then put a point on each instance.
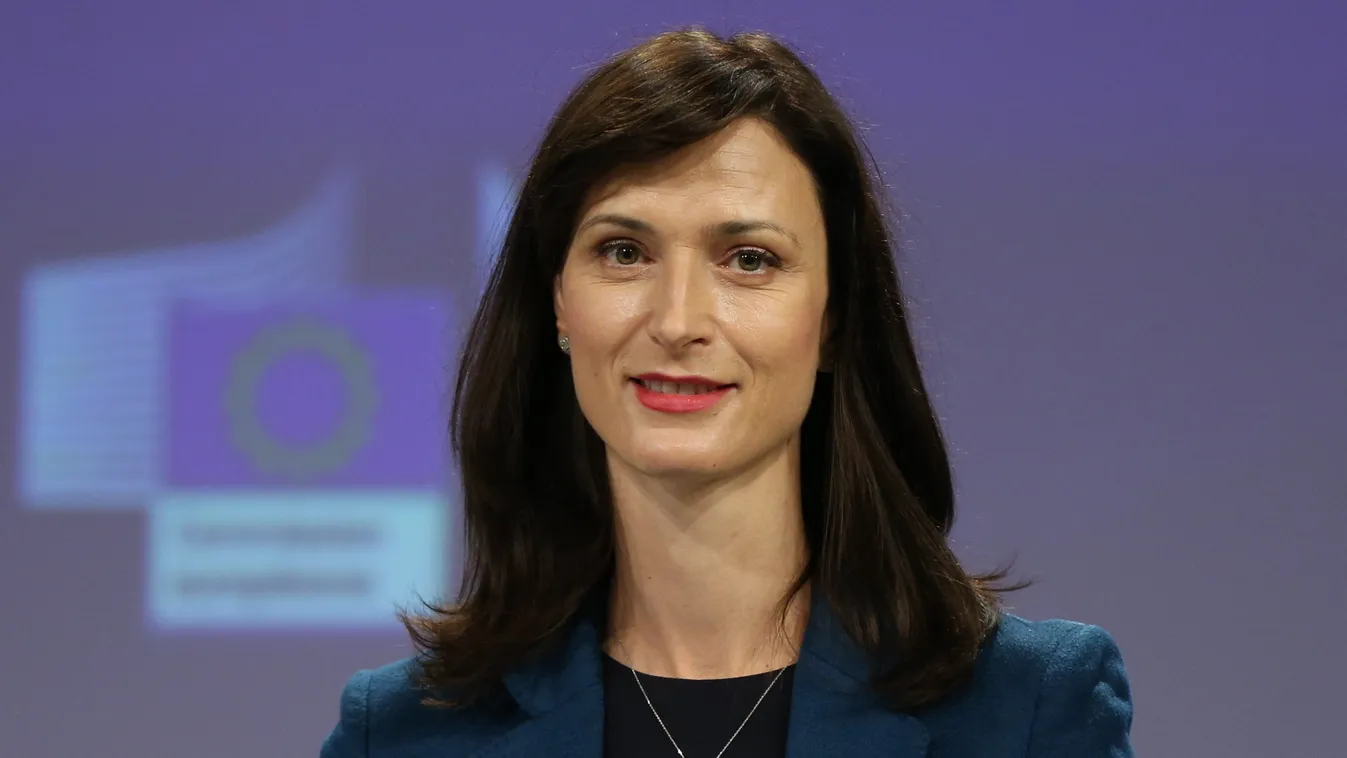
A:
(1051, 689)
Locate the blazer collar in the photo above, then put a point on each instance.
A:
(833, 710)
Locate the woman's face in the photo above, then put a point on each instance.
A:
(693, 295)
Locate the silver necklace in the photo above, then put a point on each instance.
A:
(674, 742)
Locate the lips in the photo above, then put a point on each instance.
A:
(679, 394)
(679, 388)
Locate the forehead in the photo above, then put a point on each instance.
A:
(746, 168)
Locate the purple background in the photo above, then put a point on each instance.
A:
(1127, 230)
(302, 398)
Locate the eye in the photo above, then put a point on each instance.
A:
(621, 252)
(753, 261)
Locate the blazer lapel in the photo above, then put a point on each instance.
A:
(571, 729)
(826, 720)
(833, 711)
(561, 696)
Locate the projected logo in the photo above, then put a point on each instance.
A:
(305, 463)
(274, 345)
(95, 336)
(282, 428)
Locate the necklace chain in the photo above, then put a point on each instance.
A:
(674, 742)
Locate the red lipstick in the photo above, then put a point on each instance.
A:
(678, 394)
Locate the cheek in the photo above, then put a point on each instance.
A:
(596, 328)
(784, 351)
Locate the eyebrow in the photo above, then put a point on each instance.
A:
(725, 228)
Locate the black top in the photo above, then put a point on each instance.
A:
(701, 714)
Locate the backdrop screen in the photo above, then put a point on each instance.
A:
(240, 242)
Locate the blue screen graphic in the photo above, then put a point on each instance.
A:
(281, 427)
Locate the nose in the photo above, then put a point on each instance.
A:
(682, 308)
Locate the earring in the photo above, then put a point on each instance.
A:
(564, 343)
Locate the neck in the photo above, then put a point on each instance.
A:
(702, 573)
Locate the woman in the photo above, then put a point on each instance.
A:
(706, 496)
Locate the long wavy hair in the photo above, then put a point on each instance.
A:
(878, 499)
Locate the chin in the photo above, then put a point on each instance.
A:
(678, 460)
(676, 466)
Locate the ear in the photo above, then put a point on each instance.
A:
(558, 304)
(825, 347)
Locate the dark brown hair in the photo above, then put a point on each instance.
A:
(877, 491)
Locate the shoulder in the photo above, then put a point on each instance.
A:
(382, 713)
(1060, 652)
(1046, 689)
(388, 694)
